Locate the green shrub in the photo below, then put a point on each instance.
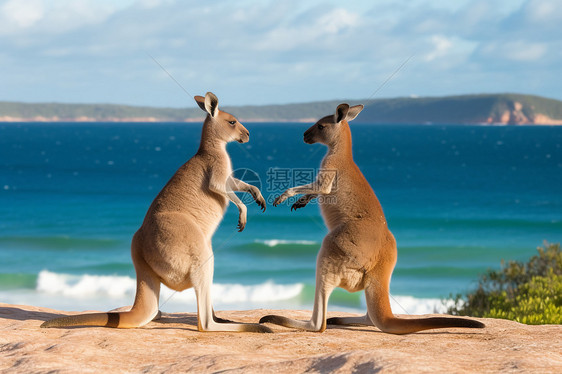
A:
(529, 293)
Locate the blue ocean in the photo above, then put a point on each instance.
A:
(458, 199)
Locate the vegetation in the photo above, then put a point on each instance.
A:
(450, 109)
(529, 293)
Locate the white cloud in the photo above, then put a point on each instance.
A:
(51, 17)
(149, 4)
(526, 51)
(544, 10)
(20, 14)
(337, 20)
(441, 46)
(311, 33)
(520, 51)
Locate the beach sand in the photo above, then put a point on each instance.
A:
(173, 344)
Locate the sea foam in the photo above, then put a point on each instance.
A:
(85, 285)
(413, 305)
(276, 242)
(113, 286)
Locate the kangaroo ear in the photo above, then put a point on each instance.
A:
(353, 112)
(211, 104)
(341, 112)
(200, 100)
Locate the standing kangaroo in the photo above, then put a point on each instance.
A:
(359, 252)
(173, 245)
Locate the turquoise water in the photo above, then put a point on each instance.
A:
(458, 199)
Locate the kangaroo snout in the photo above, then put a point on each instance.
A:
(244, 136)
(308, 137)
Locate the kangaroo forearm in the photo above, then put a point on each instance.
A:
(311, 189)
(235, 199)
(240, 186)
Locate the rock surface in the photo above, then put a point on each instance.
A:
(173, 344)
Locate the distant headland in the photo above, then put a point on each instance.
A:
(507, 109)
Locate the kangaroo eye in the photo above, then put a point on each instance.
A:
(232, 122)
(320, 127)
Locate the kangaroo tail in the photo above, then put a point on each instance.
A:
(407, 326)
(284, 321)
(144, 310)
(92, 319)
(380, 313)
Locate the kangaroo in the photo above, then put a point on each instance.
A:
(173, 244)
(359, 252)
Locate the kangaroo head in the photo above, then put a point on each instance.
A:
(221, 125)
(328, 129)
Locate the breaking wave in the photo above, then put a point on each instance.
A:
(114, 286)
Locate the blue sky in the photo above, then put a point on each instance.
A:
(275, 52)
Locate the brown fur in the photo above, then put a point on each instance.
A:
(359, 252)
(173, 245)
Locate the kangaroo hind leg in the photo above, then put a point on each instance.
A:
(202, 279)
(145, 307)
(378, 303)
(323, 291)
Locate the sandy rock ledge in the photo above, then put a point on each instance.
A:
(173, 344)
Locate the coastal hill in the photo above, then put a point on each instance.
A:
(513, 109)
(172, 344)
